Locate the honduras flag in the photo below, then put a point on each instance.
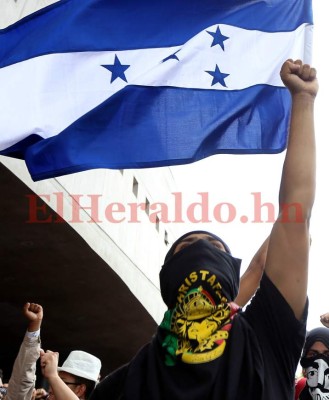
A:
(123, 84)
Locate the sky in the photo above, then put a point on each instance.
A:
(246, 181)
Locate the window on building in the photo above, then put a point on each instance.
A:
(166, 238)
(135, 187)
(147, 206)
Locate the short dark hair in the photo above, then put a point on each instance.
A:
(90, 385)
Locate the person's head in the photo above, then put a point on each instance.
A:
(315, 361)
(191, 237)
(80, 372)
(199, 259)
(316, 343)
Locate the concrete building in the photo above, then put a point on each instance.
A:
(96, 273)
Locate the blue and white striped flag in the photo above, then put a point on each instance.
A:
(125, 84)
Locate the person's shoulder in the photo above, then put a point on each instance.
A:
(268, 300)
(299, 386)
(112, 383)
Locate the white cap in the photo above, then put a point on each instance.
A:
(82, 364)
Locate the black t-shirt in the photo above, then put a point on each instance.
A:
(280, 337)
(259, 362)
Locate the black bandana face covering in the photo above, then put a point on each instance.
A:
(317, 375)
(197, 284)
(200, 264)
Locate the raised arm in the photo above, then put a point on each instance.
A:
(49, 363)
(34, 314)
(288, 251)
(325, 320)
(22, 380)
(250, 280)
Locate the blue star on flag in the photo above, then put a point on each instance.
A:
(218, 38)
(218, 76)
(117, 69)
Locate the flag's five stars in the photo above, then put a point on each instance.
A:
(218, 76)
(171, 57)
(218, 38)
(117, 69)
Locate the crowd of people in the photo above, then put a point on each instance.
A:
(209, 346)
(80, 372)
(75, 379)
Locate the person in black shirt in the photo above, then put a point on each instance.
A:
(206, 347)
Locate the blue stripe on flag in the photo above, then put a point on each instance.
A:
(137, 125)
(95, 25)
(121, 127)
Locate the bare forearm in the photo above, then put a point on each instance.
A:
(60, 389)
(298, 176)
(34, 326)
(250, 280)
(249, 283)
